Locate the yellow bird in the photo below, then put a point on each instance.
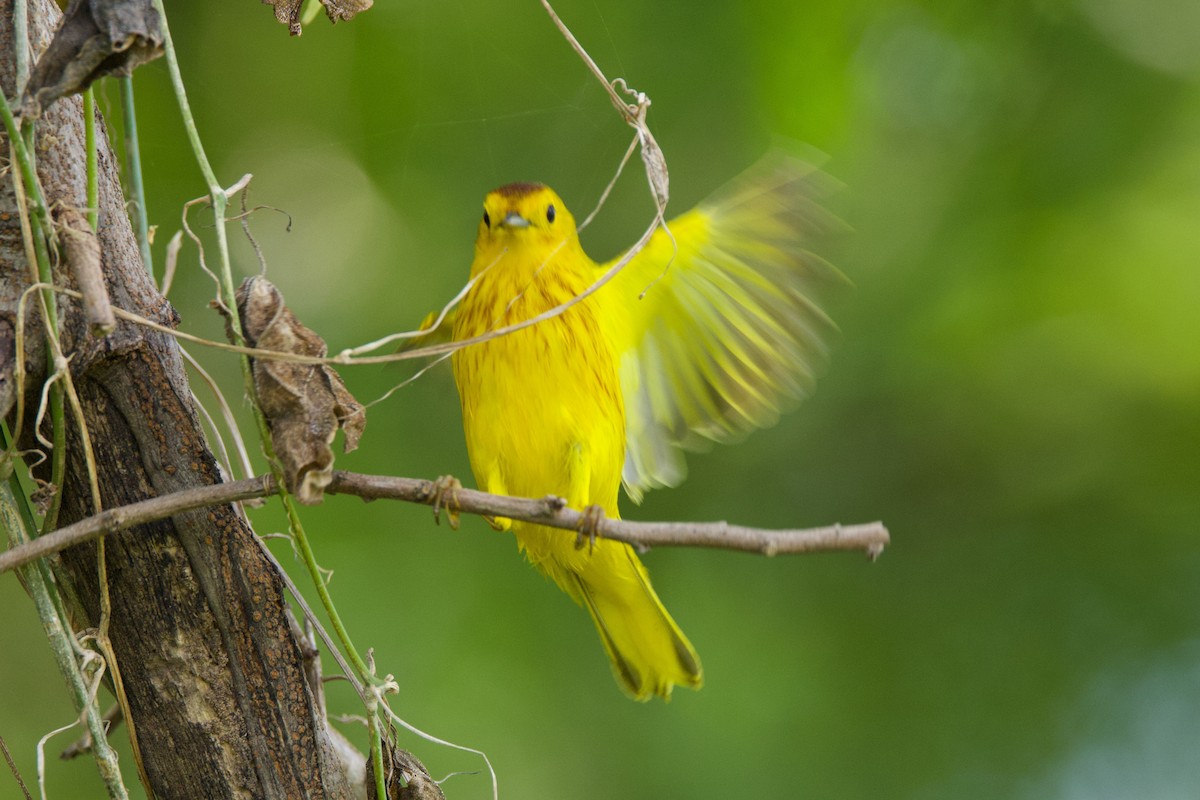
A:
(704, 335)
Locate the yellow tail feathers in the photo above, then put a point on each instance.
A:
(649, 653)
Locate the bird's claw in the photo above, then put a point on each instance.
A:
(445, 496)
(589, 527)
(497, 523)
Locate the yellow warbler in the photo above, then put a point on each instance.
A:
(608, 391)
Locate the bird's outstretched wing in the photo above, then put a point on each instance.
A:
(728, 332)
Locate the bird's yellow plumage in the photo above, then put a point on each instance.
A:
(610, 389)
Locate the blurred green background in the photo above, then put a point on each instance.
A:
(1016, 392)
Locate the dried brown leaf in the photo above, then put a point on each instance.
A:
(304, 404)
(339, 10)
(43, 496)
(96, 38)
(289, 11)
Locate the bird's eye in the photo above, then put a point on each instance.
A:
(487, 220)
(550, 214)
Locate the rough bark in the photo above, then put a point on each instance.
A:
(213, 674)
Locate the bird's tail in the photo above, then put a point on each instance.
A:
(649, 653)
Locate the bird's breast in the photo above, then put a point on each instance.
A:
(530, 396)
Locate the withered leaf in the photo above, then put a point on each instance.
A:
(43, 496)
(96, 38)
(339, 10)
(85, 259)
(304, 404)
(406, 778)
(288, 11)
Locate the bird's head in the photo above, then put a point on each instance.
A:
(524, 215)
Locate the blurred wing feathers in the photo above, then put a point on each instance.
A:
(728, 333)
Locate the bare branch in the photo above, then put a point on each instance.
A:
(551, 511)
(122, 517)
(12, 766)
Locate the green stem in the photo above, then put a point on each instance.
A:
(58, 415)
(43, 231)
(20, 141)
(133, 156)
(28, 524)
(89, 139)
(377, 754)
(185, 109)
(310, 561)
(217, 196)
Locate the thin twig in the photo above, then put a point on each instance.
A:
(634, 115)
(344, 358)
(551, 511)
(12, 766)
(330, 645)
(214, 201)
(244, 217)
(612, 182)
(226, 414)
(617, 101)
(41, 755)
(425, 330)
(407, 380)
(223, 462)
(173, 247)
(83, 744)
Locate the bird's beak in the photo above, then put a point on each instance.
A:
(514, 220)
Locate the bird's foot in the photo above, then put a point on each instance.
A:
(498, 523)
(589, 527)
(445, 497)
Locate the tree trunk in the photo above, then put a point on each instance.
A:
(213, 674)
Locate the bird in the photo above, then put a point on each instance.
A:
(711, 330)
